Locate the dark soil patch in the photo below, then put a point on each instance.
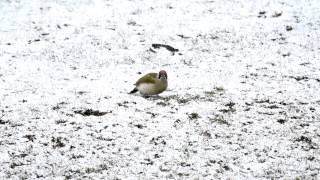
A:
(90, 112)
(169, 48)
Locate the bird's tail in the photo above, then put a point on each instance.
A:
(133, 91)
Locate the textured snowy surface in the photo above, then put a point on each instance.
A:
(243, 99)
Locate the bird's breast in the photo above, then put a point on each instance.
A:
(152, 89)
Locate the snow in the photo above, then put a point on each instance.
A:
(242, 103)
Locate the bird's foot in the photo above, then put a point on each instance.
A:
(153, 97)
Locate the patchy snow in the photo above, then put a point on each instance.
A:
(243, 99)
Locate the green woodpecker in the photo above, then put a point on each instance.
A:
(151, 84)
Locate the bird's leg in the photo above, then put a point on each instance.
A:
(146, 96)
(153, 97)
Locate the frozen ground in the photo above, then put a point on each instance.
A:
(243, 99)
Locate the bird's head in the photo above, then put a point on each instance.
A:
(162, 75)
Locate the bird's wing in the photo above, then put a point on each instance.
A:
(148, 78)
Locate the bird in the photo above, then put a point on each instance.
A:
(151, 84)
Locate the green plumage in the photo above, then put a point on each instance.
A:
(151, 84)
(148, 78)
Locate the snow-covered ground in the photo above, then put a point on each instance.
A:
(243, 99)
